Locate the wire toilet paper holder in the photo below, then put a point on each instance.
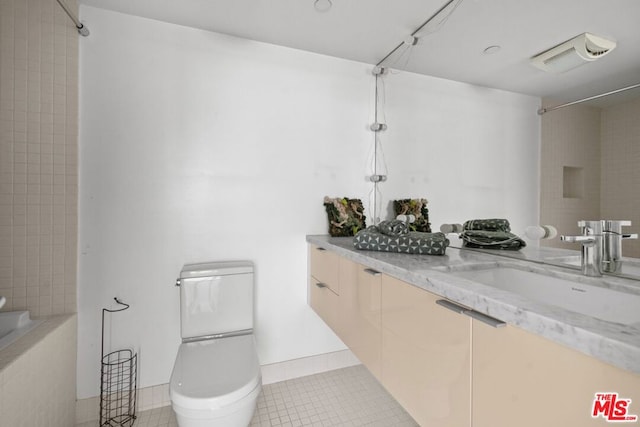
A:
(118, 382)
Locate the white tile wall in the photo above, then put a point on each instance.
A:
(620, 168)
(604, 143)
(570, 138)
(38, 156)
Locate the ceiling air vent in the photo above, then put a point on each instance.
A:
(573, 53)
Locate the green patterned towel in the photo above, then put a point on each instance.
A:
(413, 242)
(494, 224)
(490, 234)
(393, 228)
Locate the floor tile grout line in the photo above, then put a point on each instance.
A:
(343, 397)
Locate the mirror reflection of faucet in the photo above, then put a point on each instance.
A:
(612, 238)
(601, 245)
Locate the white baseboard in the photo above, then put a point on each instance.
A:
(302, 367)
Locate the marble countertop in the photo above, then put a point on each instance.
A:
(610, 342)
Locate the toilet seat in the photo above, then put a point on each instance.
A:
(215, 373)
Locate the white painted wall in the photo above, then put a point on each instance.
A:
(196, 146)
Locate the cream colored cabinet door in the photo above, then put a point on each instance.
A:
(521, 379)
(425, 355)
(360, 313)
(324, 285)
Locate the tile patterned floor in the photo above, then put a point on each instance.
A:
(344, 397)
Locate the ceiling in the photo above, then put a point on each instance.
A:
(367, 30)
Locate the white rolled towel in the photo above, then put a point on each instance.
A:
(540, 232)
(406, 218)
(451, 228)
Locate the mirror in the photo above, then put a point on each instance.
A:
(589, 170)
(587, 166)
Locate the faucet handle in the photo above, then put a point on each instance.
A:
(585, 239)
(615, 226)
(590, 228)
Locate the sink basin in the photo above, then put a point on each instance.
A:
(595, 301)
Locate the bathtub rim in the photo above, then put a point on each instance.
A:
(7, 340)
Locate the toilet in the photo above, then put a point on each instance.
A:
(216, 377)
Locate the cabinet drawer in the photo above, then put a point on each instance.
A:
(324, 302)
(324, 267)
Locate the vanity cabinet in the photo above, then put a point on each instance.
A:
(449, 369)
(324, 285)
(426, 353)
(522, 379)
(360, 293)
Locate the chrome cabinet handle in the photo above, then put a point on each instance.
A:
(372, 272)
(491, 321)
(321, 285)
(452, 306)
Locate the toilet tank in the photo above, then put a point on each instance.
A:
(216, 298)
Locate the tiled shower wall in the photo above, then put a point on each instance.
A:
(605, 144)
(570, 139)
(621, 168)
(38, 156)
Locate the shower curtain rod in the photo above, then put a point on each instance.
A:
(541, 111)
(82, 29)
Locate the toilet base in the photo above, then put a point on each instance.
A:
(238, 414)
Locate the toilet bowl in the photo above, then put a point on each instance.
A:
(216, 382)
(216, 377)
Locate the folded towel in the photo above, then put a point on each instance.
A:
(393, 228)
(413, 242)
(491, 240)
(490, 234)
(494, 224)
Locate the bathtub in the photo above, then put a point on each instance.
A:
(39, 356)
(13, 325)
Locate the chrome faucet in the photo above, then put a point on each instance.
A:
(601, 245)
(591, 253)
(612, 244)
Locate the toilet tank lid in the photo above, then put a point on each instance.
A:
(218, 268)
